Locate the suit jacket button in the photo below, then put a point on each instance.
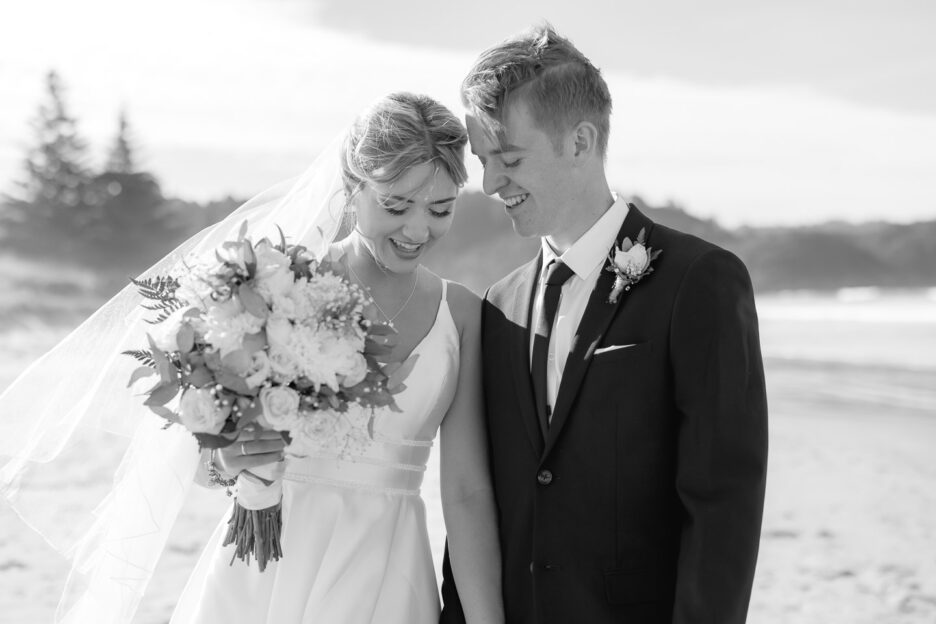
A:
(531, 567)
(544, 477)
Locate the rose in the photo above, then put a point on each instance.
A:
(274, 280)
(280, 406)
(200, 412)
(355, 371)
(633, 261)
(259, 370)
(279, 330)
(283, 365)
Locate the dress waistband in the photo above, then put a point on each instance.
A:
(387, 466)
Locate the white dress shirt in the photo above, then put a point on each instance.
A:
(585, 257)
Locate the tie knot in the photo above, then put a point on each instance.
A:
(558, 273)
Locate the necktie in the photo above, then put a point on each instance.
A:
(556, 275)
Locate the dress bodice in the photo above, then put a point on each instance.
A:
(394, 460)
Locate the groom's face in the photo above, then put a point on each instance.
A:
(523, 167)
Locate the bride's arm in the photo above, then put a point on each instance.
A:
(467, 496)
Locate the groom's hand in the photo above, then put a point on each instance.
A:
(250, 450)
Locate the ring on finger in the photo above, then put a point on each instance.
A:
(244, 449)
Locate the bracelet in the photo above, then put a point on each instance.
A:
(214, 475)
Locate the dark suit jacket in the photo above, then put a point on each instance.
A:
(643, 504)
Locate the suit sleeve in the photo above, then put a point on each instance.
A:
(452, 612)
(722, 439)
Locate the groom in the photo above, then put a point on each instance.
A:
(625, 406)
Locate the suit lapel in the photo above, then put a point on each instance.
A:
(520, 352)
(598, 315)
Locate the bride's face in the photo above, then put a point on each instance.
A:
(400, 222)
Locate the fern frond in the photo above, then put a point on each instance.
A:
(162, 288)
(144, 356)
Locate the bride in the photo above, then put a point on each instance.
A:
(354, 533)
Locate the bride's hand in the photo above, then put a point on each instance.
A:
(250, 450)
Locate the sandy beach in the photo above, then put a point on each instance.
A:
(849, 534)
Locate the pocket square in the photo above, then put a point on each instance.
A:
(613, 348)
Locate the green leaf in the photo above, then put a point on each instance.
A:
(213, 360)
(233, 383)
(376, 349)
(380, 329)
(242, 233)
(401, 372)
(185, 339)
(211, 441)
(626, 244)
(253, 302)
(140, 373)
(162, 394)
(250, 261)
(199, 377)
(255, 342)
(282, 243)
(164, 412)
(162, 362)
(237, 362)
(142, 356)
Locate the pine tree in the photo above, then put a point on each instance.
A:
(56, 164)
(48, 209)
(121, 158)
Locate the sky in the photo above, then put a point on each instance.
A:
(747, 112)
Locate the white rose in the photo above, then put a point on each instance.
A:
(279, 331)
(165, 334)
(280, 407)
(313, 432)
(260, 369)
(274, 279)
(283, 365)
(632, 262)
(199, 413)
(355, 372)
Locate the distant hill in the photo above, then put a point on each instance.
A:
(482, 247)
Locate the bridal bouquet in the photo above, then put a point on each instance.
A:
(262, 335)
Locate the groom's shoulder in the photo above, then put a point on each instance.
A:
(687, 254)
(511, 282)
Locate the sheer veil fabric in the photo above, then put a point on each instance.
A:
(82, 460)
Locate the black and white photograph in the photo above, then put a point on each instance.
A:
(531, 312)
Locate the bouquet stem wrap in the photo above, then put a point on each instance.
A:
(256, 522)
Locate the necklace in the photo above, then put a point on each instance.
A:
(389, 318)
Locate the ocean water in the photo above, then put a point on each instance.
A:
(870, 327)
(853, 326)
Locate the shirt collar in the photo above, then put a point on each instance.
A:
(592, 247)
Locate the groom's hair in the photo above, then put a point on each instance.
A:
(547, 72)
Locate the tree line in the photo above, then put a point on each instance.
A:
(115, 219)
(64, 209)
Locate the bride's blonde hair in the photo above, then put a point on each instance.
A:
(400, 131)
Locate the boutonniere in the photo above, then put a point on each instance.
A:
(630, 263)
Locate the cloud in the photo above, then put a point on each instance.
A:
(231, 96)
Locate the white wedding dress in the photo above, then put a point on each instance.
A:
(355, 542)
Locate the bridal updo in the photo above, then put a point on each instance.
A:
(400, 131)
